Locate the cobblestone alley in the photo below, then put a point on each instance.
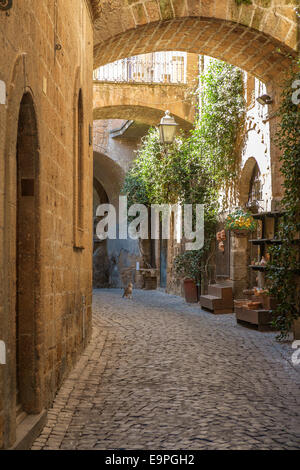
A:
(160, 374)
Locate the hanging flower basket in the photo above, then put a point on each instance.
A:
(241, 223)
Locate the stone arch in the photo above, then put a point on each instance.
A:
(144, 114)
(143, 102)
(245, 180)
(248, 36)
(100, 256)
(110, 175)
(121, 254)
(101, 193)
(99, 197)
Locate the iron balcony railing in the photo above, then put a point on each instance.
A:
(148, 69)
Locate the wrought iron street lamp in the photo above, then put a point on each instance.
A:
(167, 129)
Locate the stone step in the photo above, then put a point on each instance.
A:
(20, 414)
(222, 291)
(211, 302)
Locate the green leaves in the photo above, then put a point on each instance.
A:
(196, 167)
(285, 261)
(240, 220)
(246, 2)
(188, 264)
(220, 120)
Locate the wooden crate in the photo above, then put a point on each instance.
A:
(260, 319)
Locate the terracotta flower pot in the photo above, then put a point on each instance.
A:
(190, 291)
(221, 246)
(223, 235)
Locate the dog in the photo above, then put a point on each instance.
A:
(128, 291)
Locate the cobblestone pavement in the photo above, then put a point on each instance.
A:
(160, 374)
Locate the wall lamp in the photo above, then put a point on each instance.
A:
(264, 99)
(167, 129)
(5, 5)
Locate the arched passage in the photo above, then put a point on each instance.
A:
(143, 114)
(100, 256)
(27, 259)
(255, 37)
(245, 180)
(144, 102)
(122, 254)
(110, 175)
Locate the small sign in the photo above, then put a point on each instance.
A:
(2, 353)
(90, 135)
(2, 92)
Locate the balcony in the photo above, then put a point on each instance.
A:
(159, 67)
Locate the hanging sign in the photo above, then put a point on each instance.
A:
(2, 353)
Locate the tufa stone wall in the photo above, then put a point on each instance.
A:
(43, 183)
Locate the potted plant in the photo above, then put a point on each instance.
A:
(187, 266)
(240, 222)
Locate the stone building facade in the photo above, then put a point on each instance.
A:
(257, 188)
(46, 170)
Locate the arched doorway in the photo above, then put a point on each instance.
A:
(100, 256)
(27, 258)
(255, 190)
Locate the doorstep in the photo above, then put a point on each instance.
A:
(296, 329)
(29, 430)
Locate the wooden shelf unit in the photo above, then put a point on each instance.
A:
(261, 317)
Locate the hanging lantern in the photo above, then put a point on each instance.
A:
(167, 129)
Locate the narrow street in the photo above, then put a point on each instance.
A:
(161, 374)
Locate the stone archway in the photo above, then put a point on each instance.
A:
(27, 259)
(110, 175)
(260, 38)
(256, 37)
(122, 253)
(245, 180)
(142, 114)
(100, 256)
(144, 102)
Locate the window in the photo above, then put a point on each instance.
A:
(80, 163)
(255, 186)
(78, 171)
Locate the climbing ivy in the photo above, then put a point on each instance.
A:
(220, 122)
(246, 2)
(284, 261)
(196, 167)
